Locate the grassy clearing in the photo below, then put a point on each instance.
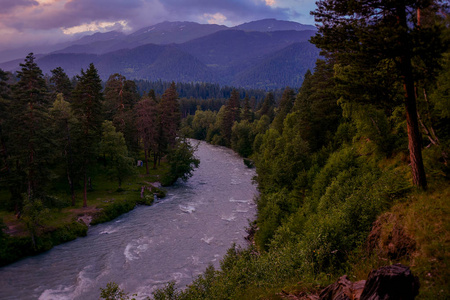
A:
(105, 202)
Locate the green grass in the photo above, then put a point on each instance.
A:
(424, 217)
(59, 224)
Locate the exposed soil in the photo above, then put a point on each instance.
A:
(389, 239)
(85, 214)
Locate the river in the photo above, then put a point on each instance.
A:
(174, 239)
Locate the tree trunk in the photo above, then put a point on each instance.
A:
(146, 161)
(414, 138)
(414, 141)
(85, 190)
(70, 163)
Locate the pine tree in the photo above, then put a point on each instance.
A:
(247, 113)
(87, 109)
(29, 134)
(60, 83)
(268, 106)
(169, 118)
(120, 97)
(146, 112)
(232, 112)
(368, 34)
(114, 149)
(317, 113)
(5, 104)
(285, 107)
(63, 126)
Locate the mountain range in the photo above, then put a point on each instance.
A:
(260, 54)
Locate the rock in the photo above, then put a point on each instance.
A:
(342, 289)
(391, 282)
(86, 219)
(386, 283)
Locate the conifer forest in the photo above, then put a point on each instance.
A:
(351, 164)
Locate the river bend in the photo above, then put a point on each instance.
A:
(174, 239)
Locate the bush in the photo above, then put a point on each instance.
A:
(181, 162)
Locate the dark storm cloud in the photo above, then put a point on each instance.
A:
(104, 9)
(8, 5)
(137, 13)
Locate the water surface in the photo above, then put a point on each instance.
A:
(174, 239)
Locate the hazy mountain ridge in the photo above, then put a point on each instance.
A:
(212, 53)
(286, 67)
(267, 25)
(161, 34)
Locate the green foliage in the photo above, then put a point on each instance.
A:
(202, 121)
(28, 136)
(167, 293)
(18, 247)
(242, 138)
(60, 83)
(285, 107)
(33, 215)
(115, 209)
(316, 113)
(182, 162)
(231, 115)
(113, 292)
(115, 152)
(214, 134)
(268, 106)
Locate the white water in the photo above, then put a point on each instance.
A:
(174, 239)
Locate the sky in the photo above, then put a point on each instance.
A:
(36, 24)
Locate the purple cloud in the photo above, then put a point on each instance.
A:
(9, 5)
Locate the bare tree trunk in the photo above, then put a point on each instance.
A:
(146, 161)
(70, 163)
(414, 137)
(85, 190)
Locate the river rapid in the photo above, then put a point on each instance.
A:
(174, 239)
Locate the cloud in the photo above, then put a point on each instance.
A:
(236, 11)
(10, 5)
(96, 26)
(216, 18)
(270, 2)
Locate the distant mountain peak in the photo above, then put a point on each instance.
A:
(268, 25)
(100, 36)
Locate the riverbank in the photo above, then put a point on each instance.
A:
(151, 245)
(65, 223)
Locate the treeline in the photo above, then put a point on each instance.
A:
(369, 127)
(55, 135)
(201, 90)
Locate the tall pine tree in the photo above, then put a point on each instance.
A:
(28, 130)
(169, 119)
(146, 112)
(232, 114)
(120, 97)
(87, 101)
(369, 34)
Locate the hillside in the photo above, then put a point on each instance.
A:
(283, 68)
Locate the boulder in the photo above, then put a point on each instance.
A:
(343, 289)
(391, 282)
